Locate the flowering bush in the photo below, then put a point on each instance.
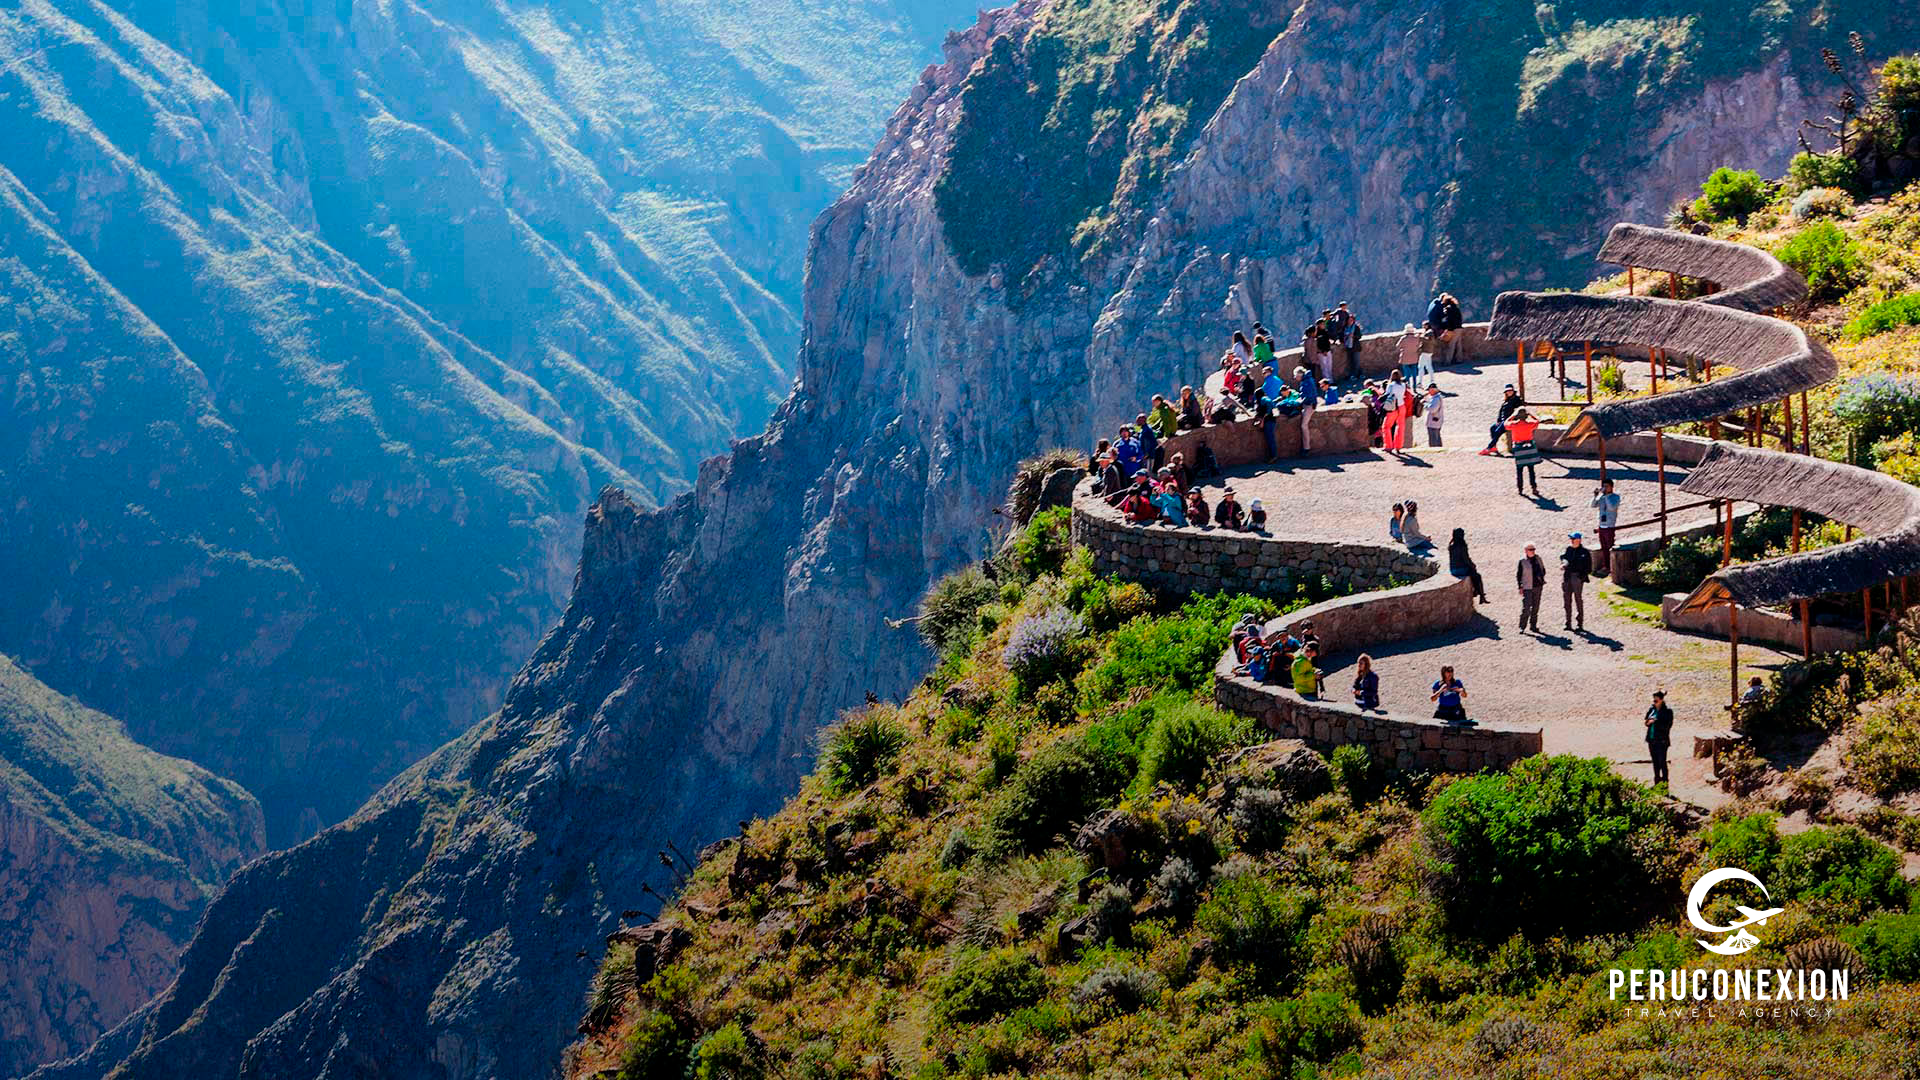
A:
(1043, 646)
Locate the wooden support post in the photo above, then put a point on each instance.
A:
(1586, 351)
(1629, 281)
(1796, 532)
(1806, 426)
(1733, 653)
(1726, 548)
(1520, 362)
(1660, 458)
(1654, 365)
(1866, 608)
(1806, 629)
(1786, 427)
(1673, 285)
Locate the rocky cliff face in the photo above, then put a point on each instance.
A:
(322, 325)
(108, 854)
(1342, 158)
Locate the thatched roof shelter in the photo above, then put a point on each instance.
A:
(1775, 358)
(1749, 279)
(1872, 502)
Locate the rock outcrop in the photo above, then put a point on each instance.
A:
(707, 641)
(108, 854)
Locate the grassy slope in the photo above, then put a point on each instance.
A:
(829, 941)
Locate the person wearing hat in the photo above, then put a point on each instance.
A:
(1509, 402)
(1409, 346)
(1256, 516)
(1659, 723)
(1531, 577)
(1526, 456)
(1576, 566)
(1226, 513)
(1198, 513)
(1167, 500)
(1138, 506)
(1434, 411)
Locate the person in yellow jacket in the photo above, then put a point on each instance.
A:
(1306, 677)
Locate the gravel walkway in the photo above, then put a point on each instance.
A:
(1587, 690)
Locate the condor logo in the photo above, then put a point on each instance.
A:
(1738, 939)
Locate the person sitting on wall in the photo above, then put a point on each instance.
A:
(1207, 464)
(1449, 698)
(1306, 676)
(1509, 404)
(1112, 485)
(1138, 505)
(1192, 409)
(1166, 499)
(1411, 534)
(1165, 422)
(1256, 516)
(1242, 349)
(1366, 685)
(1396, 519)
(1227, 513)
(1198, 513)
(1181, 475)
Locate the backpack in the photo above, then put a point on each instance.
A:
(1416, 408)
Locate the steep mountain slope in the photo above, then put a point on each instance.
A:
(108, 854)
(324, 323)
(1226, 162)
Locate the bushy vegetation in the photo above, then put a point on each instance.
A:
(1731, 194)
(1884, 757)
(1841, 873)
(1828, 258)
(861, 747)
(1902, 310)
(1890, 945)
(1809, 171)
(984, 985)
(1554, 843)
(950, 612)
(1877, 407)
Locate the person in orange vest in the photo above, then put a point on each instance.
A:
(1526, 456)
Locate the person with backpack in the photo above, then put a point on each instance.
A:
(1393, 425)
(1521, 426)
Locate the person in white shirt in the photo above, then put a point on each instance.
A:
(1607, 505)
(1435, 409)
(1393, 429)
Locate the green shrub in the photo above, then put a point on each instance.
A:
(1172, 652)
(1112, 604)
(1554, 843)
(1117, 988)
(1808, 171)
(984, 985)
(1053, 791)
(657, 1048)
(1730, 195)
(1827, 258)
(1878, 407)
(1682, 564)
(1042, 547)
(1258, 927)
(1821, 202)
(950, 612)
(1821, 693)
(1314, 1027)
(1367, 952)
(1890, 944)
(1261, 818)
(1884, 757)
(1182, 740)
(1840, 873)
(730, 1053)
(861, 748)
(1751, 842)
(1003, 753)
(1355, 773)
(1610, 380)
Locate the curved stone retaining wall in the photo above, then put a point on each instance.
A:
(1337, 429)
(1189, 559)
(1398, 742)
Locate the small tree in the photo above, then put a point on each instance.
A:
(1731, 194)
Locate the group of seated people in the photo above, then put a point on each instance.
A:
(1278, 657)
(1169, 497)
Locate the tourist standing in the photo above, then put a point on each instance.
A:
(1366, 684)
(1449, 697)
(1526, 455)
(1126, 450)
(1435, 410)
(1659, 723)
(1606, 505)
(1424, 358)
(1409, 352)
(1531, 576)
(1460, 564)
(1576, 566)
(1449, 329)
(1509, 403)
(1309, 393)
(1393, 428)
